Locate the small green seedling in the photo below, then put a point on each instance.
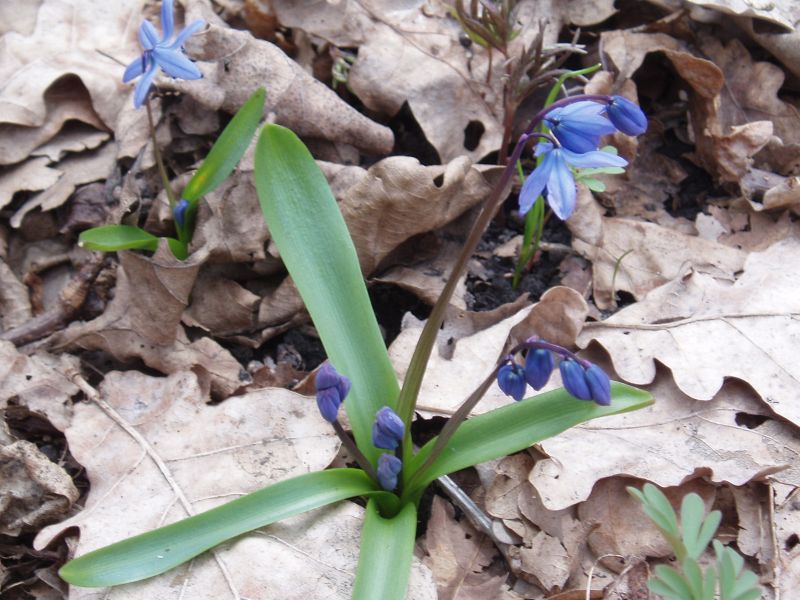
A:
(689, 540)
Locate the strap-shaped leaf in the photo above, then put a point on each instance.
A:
(228, 149)
(316, 248)
(110, 238)
(387, 546)
(517, 426)
(162, 549)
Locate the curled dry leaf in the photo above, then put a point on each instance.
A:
(31, 176)
(779, 13)
(155, 453)
(35, 490)
(143, 321)
(706, 331)
(458, 556)
(221, 306)
(638, 257)
(666, 443)
(15, 305)
(40, 382)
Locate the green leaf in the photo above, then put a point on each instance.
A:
(179, 249)
(387, 546)
(110, 238)
(692, 512)
(593, 184)
(518, 426)
(693, 577)
(316, 248)
(672, 582)
(228, 149)
(162, 549)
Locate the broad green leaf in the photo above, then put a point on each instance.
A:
(178, 248)
(162, 549)
(518, 426)
(316, 248)
(387, 546)
(110, 238)
(228, 149)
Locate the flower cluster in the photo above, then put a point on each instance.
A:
(575, 132)
(161, 53)
(331, 391)
(582, 379)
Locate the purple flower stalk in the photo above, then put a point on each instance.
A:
(331, 391)
(161, 53)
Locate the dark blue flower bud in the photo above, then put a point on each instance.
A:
(626, 116)
(539, 364)
(389, 467)
(179, 212)
(331, 391)
(573, 376)
(511, 379)
(388, 429)
(599, 385)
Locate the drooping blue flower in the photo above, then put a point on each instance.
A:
(555, 176)
(573, 376)
(388, 429)
(599, 385)
(179, 212)
(511, 379)
(331, 391)
(539, 364)
(626, 116)
(389, 467)
(161, 53)
(579, 126)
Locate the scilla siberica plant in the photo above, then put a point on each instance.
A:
(311, 235)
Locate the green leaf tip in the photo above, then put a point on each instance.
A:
(111, 238)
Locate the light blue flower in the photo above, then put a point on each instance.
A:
(161, 53)
(555, 176)
(579, 126)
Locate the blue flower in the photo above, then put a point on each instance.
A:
(555, 176)
(626, 116)
(579, 126)
(573, 376)
(599, 385)
(388, 429)
(539, 365)
(511, 379)
(161, 53)
(179, 212)
(331, 391)
(389, 467)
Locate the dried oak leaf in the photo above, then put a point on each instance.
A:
(706, 331)
(779, 13)
(15, 305)
(155, 453)
(235, 64)
(724, 148)
(458, 556)
(34, 490)
(143, 321)
(674, 439)
(637, 257)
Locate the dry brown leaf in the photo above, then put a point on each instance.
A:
(34, 490)
(637, 257)
(668, 442)
(787, 524)
(143, 321)
(706, 331)
(221, 306)
(15, 305)
(38, 382)
(155, 453)
(458, 556)
(235, 64)
(32, 175)
(780, 13)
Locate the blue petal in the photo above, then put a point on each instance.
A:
(574, 379)
(593, 160)
(184, 35)
(143, 86)
(627, 116)
(575, 138)
(599, 385)
(535, 183)
(148, 36)
(167, 23)
(389, 467)
(561, 191)
(133, 70)
(175, 64)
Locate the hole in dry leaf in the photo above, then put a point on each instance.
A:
(791, 542)
(473, 133)
(438, 181)
(749, 421)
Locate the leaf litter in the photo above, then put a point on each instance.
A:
(682, 272)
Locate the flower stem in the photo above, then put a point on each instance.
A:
(359, 457)
(157, 153)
